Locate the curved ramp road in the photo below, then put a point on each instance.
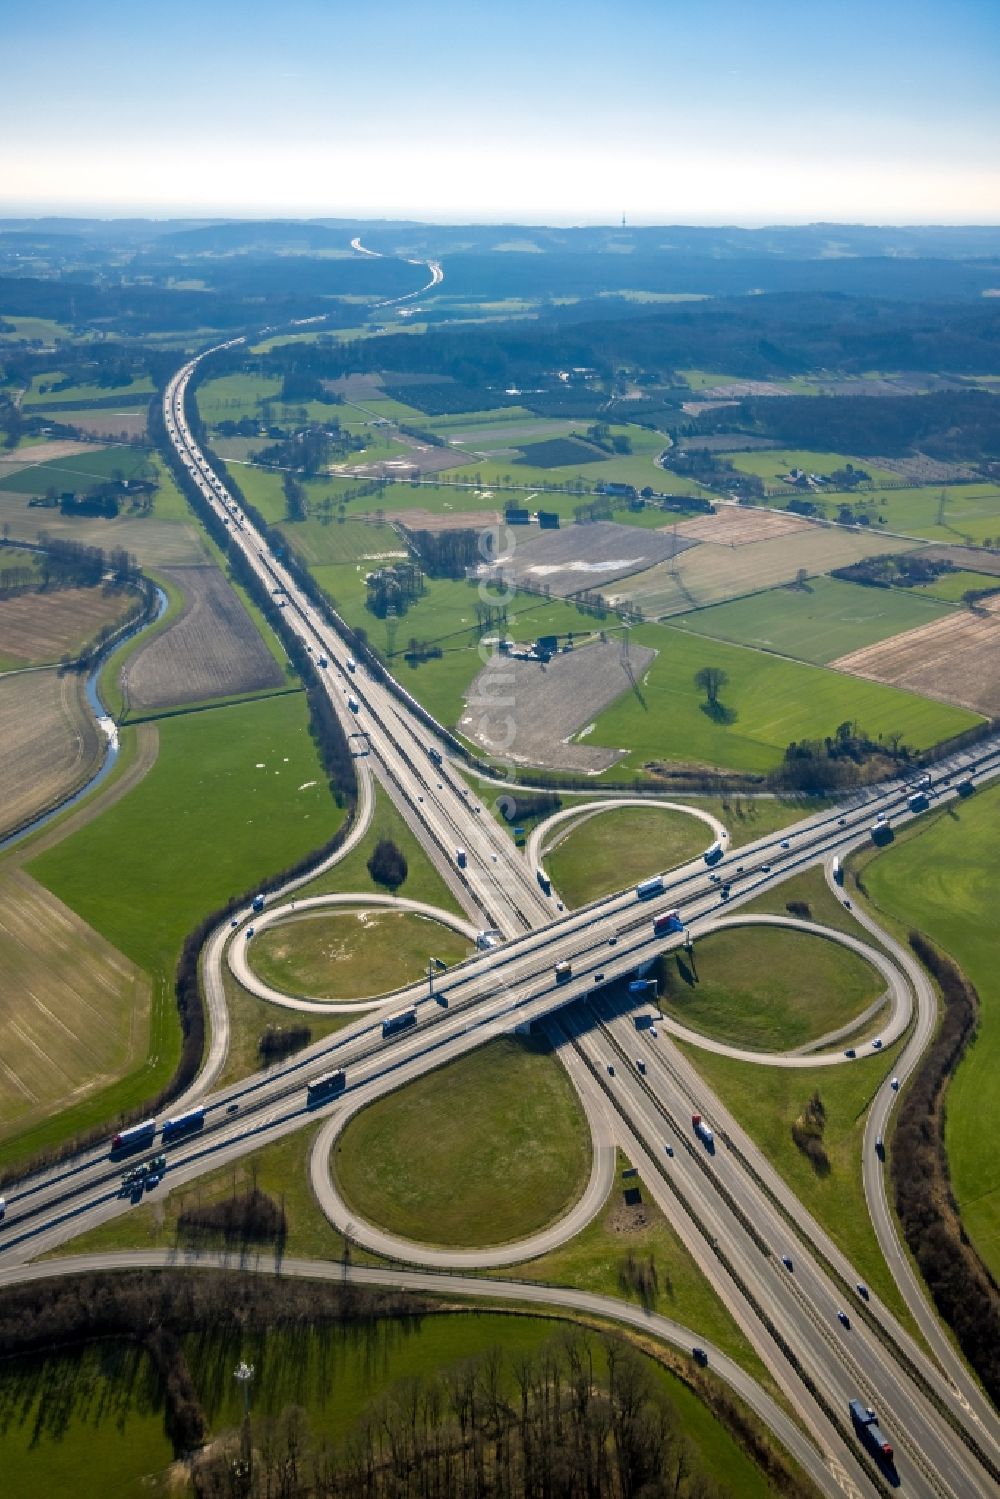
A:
(347, 1222)
(539, 834)
(239, 956)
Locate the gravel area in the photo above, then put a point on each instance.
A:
(527, 712)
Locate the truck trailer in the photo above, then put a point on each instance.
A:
(564, 971)
(393, 1023)
(714, 854)
(866, 1423)
(670, 921)
(648, 888)
(703, 1132)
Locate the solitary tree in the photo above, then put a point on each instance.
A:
(711, 680)
(387, 865)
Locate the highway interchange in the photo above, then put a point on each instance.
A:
(730, 1207)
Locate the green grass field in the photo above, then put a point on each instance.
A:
(824, 619)
(952, 585)
(83, 471)
(47, 330)
(770, 464)
(940, 879)
(766, 989)
(37, 399)
(613, 849)
(87, 1421)
(971, 512)
(768, 1100)
(350, 875)
(592, 1261)
(232, 397)
(504, 1149)
(205, 823)
(352, 954)
(775, 702)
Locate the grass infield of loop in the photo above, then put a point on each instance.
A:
(351, 954)
(766, 988)
(609, 850)
(485, 1150)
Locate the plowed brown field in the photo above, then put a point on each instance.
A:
(41, 627)
(955, 659)
(51, 744)
(73, 1011)
(212, 649)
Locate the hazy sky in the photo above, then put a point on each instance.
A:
(740, 111)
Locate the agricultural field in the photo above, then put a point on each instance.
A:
(940, 878)
(74, 1013)
(557, 452)
(771, 464)
(818, 620)
(502, 1126)
(113, 426)
(712, 572)
(34, 329)
(637, 468)
(606, 851)
(594, 556)
(211, 649)
(42, 394)
(232, 397)
(957, 513)
(356, 954)
(165, 537)
(38, 628)
(767, 989)
(743, 525)
(51, 743)
(955, 659)
(526, 713)
(767, 702)
(951, 586)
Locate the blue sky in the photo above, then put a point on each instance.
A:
(711, 111)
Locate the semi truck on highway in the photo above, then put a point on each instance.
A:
(435, 755)
(564, 971)
(866, 1422)
(184, 1124)
(257, 903)
(322, 1087)
(352, 665)
(135, 1138)
(670, 921)
(461, 858)
(714, 854)
(838, 872)
(918, 802)
(966, 787)
(648, 888)
(394, 1023)
(544, 882)
(353, 704)
(703, 1132)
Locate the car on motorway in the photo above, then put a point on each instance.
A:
(847, 903)
(640, 1066)
(765, 869)
(232, 1108)
(843, 1318)
(3, 1208)
(895, 1085)
(786, 1260)
(611, 1069)
(700, 1356)
(841, 822)
(598, 978)
(877, 1044)
(612, 941)
(652, 1032)
(235, 921)
(863, 1291)
(669, 1149)
(785, 843)
(850, 1052)
(249, 932)
(716, 879)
